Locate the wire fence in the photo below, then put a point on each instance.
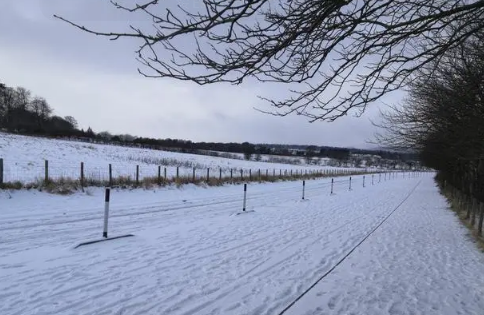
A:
(27, 173)
(468, 207)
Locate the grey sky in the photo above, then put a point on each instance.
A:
(96, 81)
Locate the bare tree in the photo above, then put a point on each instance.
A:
(24, 97)
(41, 109)
(72, 121)
(335, 56)
(443, 117)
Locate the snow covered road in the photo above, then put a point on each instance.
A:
(191, 255)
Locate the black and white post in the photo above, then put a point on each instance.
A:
(304, 188)
(106, 212)
(245, 197)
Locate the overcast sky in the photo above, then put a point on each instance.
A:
(96, 81)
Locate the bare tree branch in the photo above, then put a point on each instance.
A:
(334, 56)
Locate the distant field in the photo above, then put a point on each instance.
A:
(24, 159)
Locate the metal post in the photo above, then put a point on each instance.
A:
(372, 176)
(106, 212)
(231, 173)
(193, 175)
(379, 177)
(220, 174)
(177, 173)
(332, 184)
(164, 173)
(350, 183)
(245, 197)
(304, 188)
(208, 175)
(363, 181)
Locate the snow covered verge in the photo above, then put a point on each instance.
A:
(389, 248)
(24, 161)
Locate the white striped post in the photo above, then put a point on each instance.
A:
(304, 188)
(106, 212)
(245, 197)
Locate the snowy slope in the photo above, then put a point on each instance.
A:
(24, 160)
(191, 255)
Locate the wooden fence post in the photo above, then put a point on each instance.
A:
(110, 172)
(1, 171)
(82, 174)
(468, 213)
(137, 175)
(177, 173)
(164, 173)
(474, 210)
(208, 175)
(159, 174)
(46, 175)
(220, 174)
(481, 218)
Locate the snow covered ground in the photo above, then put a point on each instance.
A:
(389, 248)
(24, 160)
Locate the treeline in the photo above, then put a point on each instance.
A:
(443, 117)
(21, 112)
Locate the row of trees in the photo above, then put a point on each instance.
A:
(311, 154)
(23, 113)
(443, 117)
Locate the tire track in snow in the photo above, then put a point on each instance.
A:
(256, 271)
(349, 253)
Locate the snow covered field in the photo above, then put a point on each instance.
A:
(389, 248)
(24, 160)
